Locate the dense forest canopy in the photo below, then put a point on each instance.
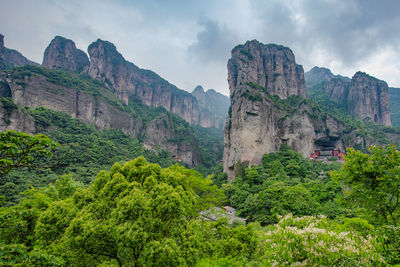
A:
(141, 214)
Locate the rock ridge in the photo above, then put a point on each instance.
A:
(12, 58)
(62, 54)
(364, 96)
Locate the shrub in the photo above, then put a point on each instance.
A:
(308, 241)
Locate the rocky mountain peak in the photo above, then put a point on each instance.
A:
(108, 65)
(198, 90)
(11, 57)
(126, 79)
(317, 75)
(368, 99)
(259, 123)
(320, 74)
(364, 96)
(267, 65)
(104, 50)
(213, 107)
(62, 54)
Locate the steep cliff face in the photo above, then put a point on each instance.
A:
(34, 90)
(160, 133)
(36, 87)
(270, 66)
(337, 90)
(364, 96)
(108, 65)
(11, 118)
(61, 54)
(213, 107)
(268, 108)
(369, 99)
(10, 57)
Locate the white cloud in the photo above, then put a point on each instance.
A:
(188, 42)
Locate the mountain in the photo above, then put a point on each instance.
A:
(213, 107)
(11, 58)
(109, 92)
(394, 99)
(128, 80)
(364, 96)
(318, 75)
(62, 54)
(269, 108)
(80, 96)
(368, 99)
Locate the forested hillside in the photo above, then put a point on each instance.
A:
(103, 163)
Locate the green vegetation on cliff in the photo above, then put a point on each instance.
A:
(83, 151)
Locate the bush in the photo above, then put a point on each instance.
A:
(308, 241)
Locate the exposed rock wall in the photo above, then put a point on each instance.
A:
(108, 65)
(368, 99)
(364, 96)
(159, 133)
(337, 90)
(10, 57)
(271, 66)
(61, 54)
(129, 81)
(213, 107)
(318, 75)
(14, 119)
(34, 90)
(261, 118)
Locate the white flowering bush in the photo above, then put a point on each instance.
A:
(311, 241)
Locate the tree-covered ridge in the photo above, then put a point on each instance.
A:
(285, 183)
(139, 214)
(83, 151)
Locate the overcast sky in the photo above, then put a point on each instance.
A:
(189, 42)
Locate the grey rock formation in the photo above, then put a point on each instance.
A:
(268, 108)
(318, 75)
(159, 133)
(108, 65)
(337, 90)
(368, 99)
(213, 107)
(12, 58)
(35, 90)
(270, 66)
(14, 119)
(364, 96)
(61, 54)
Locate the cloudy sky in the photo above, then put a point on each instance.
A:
(188, 42)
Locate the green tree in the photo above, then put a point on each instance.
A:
(372, 181)
(19, 149)
(139, 214)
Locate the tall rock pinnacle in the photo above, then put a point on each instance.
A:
(61, 54)
(368, 99)
(128, 80)
(271, 66)
(268, 108)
